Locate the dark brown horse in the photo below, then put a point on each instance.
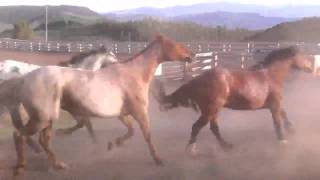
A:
(118, 90)
(258, 88)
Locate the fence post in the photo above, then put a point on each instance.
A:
(242, 61)
(80, 47)
(48, 47)
(215, 59)
(199, 48)
(39, 46)
(31, 46)
(69, 47)
(90, 46)
(129, 48)
(116, 48)
(58, 46)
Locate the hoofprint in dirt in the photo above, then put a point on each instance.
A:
(256, 154)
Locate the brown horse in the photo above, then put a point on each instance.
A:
(117, 90)
(260, 87)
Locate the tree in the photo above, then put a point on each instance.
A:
(23, 30)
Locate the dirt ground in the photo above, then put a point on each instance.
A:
(256, 154)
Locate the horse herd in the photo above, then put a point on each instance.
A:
(95, 84)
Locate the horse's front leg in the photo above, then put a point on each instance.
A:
(287, 123)
(140, 114)
(277, 117)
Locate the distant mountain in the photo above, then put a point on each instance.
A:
(233, 20)
(305, 30)
(288, 11)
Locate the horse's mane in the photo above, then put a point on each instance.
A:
(277, 55)
(139, 53)
(78, 58)
(158, 37)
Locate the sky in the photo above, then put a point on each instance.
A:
(112, 5)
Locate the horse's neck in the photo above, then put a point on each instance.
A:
(145, 64)
(279, 70)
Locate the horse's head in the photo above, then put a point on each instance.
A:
(292, 56)
(174, 51)
(92, 60)
(302, 61)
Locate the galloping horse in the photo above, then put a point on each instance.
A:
(260, 87)
(91, 60)
(117, 90)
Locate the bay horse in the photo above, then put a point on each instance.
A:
(260, 87)
(116, 90)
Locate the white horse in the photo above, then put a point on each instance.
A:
(12, 68)
(92, 60)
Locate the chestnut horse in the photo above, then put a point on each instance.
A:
(260, 87)
(116, 90)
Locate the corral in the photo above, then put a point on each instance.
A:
(256, 155)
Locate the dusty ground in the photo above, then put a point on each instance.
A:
(256, 153)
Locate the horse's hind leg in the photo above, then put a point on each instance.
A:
(287, 123)
(19, 142)
(196, 127)
(67, 131)
(88, 124)
(215, 130)
(127, 121)
(17, 122)
(44, 139)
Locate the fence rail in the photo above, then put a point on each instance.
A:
(234, 55)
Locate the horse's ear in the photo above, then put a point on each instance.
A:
(103, 48)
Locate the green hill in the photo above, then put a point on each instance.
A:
(143, 30)
(305, 30)
(36, 15)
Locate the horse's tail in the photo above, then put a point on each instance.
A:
(181, 97)
(9, 91)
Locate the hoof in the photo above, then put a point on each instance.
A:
(110, 146)
(191, 149)
(227, 146)
(18, 170)
(60, 165)
(159, 162)
(284, 142)
(119, 142)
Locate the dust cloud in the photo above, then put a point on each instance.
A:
(256, 153)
